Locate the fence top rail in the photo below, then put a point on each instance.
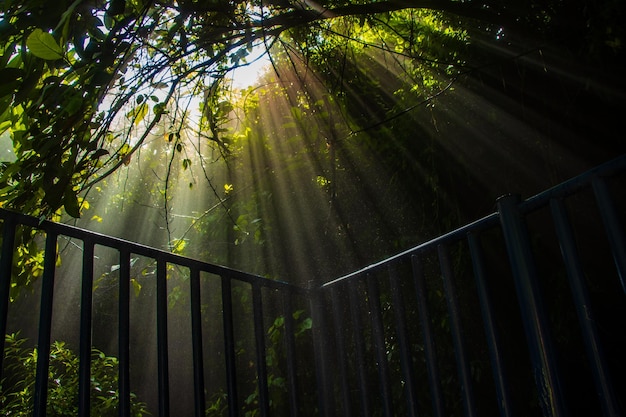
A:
(562, 190)
(559, 191)
(96, 238)
(476, 226)
(574, 184)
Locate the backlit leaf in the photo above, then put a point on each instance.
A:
(307, 324)
(136, 286)
(44, 46)
(138, 113)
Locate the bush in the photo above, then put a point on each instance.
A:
(17, 388)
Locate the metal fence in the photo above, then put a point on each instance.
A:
(519, 313)
(450, 303)
(163, 260)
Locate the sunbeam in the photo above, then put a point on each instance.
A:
(295, 141)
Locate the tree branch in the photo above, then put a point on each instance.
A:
(297, 17)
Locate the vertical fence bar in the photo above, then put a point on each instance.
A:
(341, 350)
(320, 350)
(378, 336)
(613, 227)
(124, 333)
(429, 341)
(584, 311)
(497, 362)
(196, 342)
(6, 262)
(162, 351)
(534, 317)
(259, 336)
(229, 347)
(86, 295)
(359, 345)
(460, 351)
(45, 325)
(406, 363)
(290, 347)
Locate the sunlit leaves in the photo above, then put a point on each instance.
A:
(136, 286)
(121, 57)
(169, 137)
(178, 245)
(124, 154)
(138, 113)
(43, 45)
(124, 150)
(322, 181)
(19, 387)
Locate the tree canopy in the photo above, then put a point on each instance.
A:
(83, 83)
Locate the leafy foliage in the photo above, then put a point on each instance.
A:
(84, 83)
(17, 389)
(276, 378)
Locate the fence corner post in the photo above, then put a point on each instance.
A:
(517, 241)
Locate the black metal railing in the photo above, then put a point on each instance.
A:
(163, 260)
(457, 261)
(487, 319)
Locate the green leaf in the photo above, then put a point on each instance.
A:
(138, 113)
(70, 202)
(307, 324)
(296, 113)
(124, 150)
(44, 46)
(136, 286)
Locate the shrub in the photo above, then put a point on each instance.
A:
(17, 388)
